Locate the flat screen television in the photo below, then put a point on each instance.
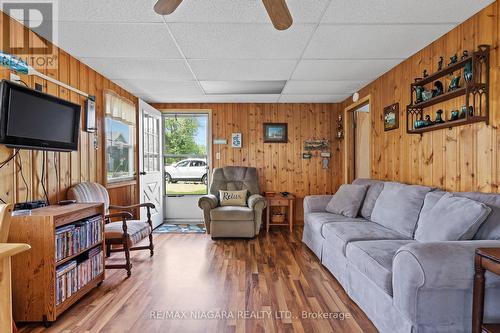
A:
(33, 120)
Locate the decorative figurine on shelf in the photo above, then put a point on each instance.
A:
(471, 111)
(465, 55)
(453, 59)
(463, 112)
(340, 128)
(426, 95)
(425, 74)
(418, 94)
(419, 123)
(439, 117)
(468, 71)
(440, 63)
(417, 79)
(439, 89)
(454, 115)
(428, 121)
(454, 84)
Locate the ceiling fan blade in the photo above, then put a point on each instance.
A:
(279, 13)
(166, 7)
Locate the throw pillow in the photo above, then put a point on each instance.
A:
(233, 198)
(348, 200)
(451, 219)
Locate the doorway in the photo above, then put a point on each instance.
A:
(358, 140)
(150, 161)
(186, 158)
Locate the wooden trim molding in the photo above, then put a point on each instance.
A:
(348, 137)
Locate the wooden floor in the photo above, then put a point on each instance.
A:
(193, 284)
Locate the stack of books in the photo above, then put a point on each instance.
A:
(78, 236)
(74, 275)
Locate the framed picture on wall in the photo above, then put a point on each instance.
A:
(391, 117)
(275, 132)
(236, 140)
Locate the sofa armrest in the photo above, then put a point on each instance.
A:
(207, 203)
(444, 271)
(316, 203)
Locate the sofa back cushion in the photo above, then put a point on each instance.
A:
(348, 200)
(398, 207)
(430, 201)
(374, 189)
(490, 229)
(452, 218)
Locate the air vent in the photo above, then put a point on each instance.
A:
(242, 87)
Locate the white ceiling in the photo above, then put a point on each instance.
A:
(333, 49)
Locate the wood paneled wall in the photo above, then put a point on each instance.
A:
(62, 170)
(465, 158)
(280, 165)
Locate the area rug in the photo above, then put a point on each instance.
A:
(180, 228)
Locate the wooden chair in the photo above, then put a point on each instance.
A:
(121, 236)
(6, 252)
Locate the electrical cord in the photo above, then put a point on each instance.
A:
(5, 163)
(43, 178)
(20, 165)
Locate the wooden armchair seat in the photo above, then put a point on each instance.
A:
(122, 235)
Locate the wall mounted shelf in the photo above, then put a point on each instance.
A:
(476, 92)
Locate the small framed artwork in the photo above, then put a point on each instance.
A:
(236, 140)
(391, 117)
(275, 132)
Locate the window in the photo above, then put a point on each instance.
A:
(120, 138)
(197, 163)
(183, 164)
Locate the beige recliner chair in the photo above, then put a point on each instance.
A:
(233, 221)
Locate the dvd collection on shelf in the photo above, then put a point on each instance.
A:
(78, 236)
(74, 275)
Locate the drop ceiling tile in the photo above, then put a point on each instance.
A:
(372, 41)
(239, 41)
(246, 11)
(359, 70)
(117, 40)
(107, 11)
(139, 68)
(243, 69)
(161, 87)
(323, 87)
(313, 98)
(402, 11)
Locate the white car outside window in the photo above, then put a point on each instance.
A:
(187, 170)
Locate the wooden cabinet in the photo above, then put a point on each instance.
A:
(34, 272)
(283, 205)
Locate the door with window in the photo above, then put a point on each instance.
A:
(186, 163)
(150, 161)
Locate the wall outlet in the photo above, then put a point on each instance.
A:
(217, 156)
(15, 78)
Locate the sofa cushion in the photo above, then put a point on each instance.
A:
(340, 234)
(490, 229)
(348, 200)
(374, 260)
(398, 207)
(316, 221)
(430, 201)
(374, 189)
(232, 213)
(452, 218)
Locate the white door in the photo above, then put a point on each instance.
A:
(151, 161)
(186, 160)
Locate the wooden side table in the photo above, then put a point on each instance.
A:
(487, 259)
(282, 202)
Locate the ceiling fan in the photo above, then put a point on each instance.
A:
(277, 10)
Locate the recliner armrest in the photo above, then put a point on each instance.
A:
(255, 199)
(208, 201)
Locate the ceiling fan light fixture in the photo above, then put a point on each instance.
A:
(166, 7)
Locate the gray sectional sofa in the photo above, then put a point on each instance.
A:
(403, 284)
